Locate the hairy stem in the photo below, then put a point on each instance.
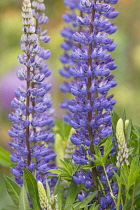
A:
(90, 131)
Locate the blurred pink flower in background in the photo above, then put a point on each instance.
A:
(8, 84)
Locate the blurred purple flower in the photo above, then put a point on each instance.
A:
(8, 83)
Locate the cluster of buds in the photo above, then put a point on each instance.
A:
(122, 156)
(46, 203)
(70, 148)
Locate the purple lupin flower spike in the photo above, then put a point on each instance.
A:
(67, 32)
(92, 106)
(32, 119)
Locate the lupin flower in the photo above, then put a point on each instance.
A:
(92, 106)
(122, 156)
(67, 32)
(32, 119)
(91, 70)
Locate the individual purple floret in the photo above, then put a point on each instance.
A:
(32, 120)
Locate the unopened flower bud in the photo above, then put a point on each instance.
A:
(123, 150)
(42, 195)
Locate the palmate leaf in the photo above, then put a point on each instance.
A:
(99, 158)
(67, 171)
(32, 189)
(13, 189)
(70, 167)
(62, 129)
(23, 200)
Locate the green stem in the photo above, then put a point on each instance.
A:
(111, 192)
(126, 197)
(133, 196)
(101, 186)
(119, 197)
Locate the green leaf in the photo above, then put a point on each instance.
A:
(48, 190)
(88, 166)
(13, 189)
(133, 177)
(115, 119)
(125, 174)
(5, 158)
(99, 159)
(71, 195)
(108, 146)
(57, 186)
(55, 171)
(62, 128)
(32, 189)
(94, 207)
(67, 167)
(119, 180)
(128, 205)
(85, 202)
(23, 200)
(60, 195)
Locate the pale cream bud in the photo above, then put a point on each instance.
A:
(42, 195)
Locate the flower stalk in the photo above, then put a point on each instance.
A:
(90, 131)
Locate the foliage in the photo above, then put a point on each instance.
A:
(127, 177)
(5, 158)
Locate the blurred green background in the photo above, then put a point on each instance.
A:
(127, 57)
